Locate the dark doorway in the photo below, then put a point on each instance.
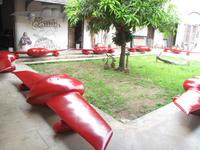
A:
(75, 35)
(79, 34)
(6, 24)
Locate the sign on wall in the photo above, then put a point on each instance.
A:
(45, 26)
(41, 23)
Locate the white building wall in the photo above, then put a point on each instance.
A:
(180, 35)
(141, 31)
(53, 35)
(87, 42)
(105, 38)
(159, 41)
(185, 8)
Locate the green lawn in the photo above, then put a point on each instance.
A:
(148, 86)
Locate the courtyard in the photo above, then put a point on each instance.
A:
(25, 127)
(149, 85)
(102, 74)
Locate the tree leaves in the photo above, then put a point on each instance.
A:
(124, 15)
(128, 13)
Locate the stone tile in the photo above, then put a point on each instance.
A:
(24, 141)
(13, 121)
(64, 141)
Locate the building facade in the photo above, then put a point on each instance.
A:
(42, 23)
(189, 28)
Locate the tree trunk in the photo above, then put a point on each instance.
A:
(123, 54)
(150, 36)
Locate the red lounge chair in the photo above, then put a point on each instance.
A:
(111, 50)
(63, 94)
(6, 59)
(100, 50)
(87, 51)
(141, 49)
(178, 51)
(132, 49)
(189, 102)
(173, 50)
(39, 52)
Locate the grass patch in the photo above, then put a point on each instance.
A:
(170, 77)
(150, 84)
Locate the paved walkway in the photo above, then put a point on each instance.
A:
(70, 55)
(24, 127)
(75, 55)
(192, 56)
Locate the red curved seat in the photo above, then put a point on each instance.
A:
(63, 94)
(132, 49)
(189, 102)
(141, 49)
(100, 50)
(87, 51)
(173, 50)
(39, 52)
(6, 59)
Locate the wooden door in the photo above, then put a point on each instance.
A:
(71, 37)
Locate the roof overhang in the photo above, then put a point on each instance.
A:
(62, 2)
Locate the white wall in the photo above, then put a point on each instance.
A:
(105, 38)
(86, 36)
(53, 36)
(159, 40)
(102, 37)
(184, 10)
(141, 31)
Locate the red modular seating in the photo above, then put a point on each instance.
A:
(98, 50)
(87, 51)
(189, 102)
(6, 59)
(63, 94)
(110, 50)
(141, 49)
(39, 52)
(176, 51)
(132, 49)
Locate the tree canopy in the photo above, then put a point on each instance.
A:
(124, 15)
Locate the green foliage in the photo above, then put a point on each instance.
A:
(117, 38)
(168, 76)
(168, 25)
(124, 15)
